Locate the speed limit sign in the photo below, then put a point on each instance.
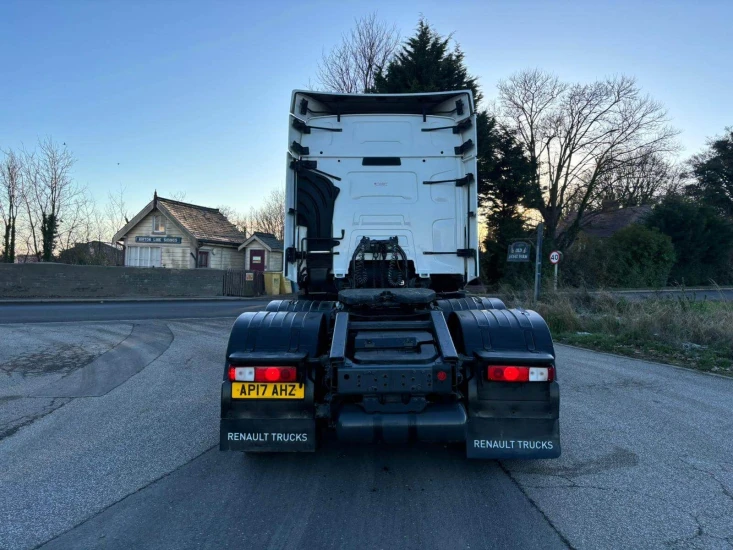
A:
(555, 257)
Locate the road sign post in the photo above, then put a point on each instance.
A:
(538, 262)
(555, 257)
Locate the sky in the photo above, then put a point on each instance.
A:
(193, 97)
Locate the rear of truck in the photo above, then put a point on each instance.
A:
(383, 344)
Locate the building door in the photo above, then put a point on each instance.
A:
(203, 259)
(257, 260)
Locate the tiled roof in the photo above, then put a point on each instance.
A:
(207, 224)
(605, 224)
(269, 239)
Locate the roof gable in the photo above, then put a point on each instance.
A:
(606, 223)
(268, 240)
(133, 222)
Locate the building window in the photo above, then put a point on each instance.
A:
(143, 256)
(158, 224)
(203, 259)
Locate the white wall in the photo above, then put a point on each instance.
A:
(176, 256)
(274, 261)
(221, 257)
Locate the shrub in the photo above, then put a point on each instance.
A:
(639, 257)
(702, 239)
(632, 257)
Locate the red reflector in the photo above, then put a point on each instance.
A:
(232, 375)
(442, 375)
(275, 374)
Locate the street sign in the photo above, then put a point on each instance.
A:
(518, 252)
(555, 257)
(159, 240)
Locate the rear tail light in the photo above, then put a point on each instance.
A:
(262, 374)
(275, 374)
(511, 373)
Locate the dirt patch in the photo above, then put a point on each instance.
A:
(60, 359)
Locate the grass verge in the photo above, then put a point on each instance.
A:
(675, 330)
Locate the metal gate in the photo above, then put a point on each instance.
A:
(240, 282)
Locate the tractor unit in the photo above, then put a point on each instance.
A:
(383, 343)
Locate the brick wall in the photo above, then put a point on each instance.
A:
(84, 281)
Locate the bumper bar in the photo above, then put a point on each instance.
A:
(436, 423)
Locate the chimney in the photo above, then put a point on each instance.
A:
(609, 205)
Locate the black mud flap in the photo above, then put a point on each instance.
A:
(509, 420)
(268, 435)
(512, 438)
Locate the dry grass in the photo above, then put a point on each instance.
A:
(678, 330)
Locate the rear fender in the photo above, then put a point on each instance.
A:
(508, 419)
(284, 338)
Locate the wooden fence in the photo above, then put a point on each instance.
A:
(238, 282)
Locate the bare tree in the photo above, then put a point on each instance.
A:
(32, 182)
(50, 194)
(83, 222)
(351, 66)
(11, 193)
(179, 196)
(575, 134)
(235, 217)
(635, 181)
(116, 211)
(270, 217)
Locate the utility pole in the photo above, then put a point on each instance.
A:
(538, 262)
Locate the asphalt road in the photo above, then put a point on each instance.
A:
(128, 311)
(104, 449)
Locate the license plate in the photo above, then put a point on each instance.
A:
(255, 390)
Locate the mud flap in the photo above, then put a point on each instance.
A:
(509, 420)
(267, 435)
(512, 438)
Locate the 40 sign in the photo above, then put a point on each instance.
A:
(555, 257)
(518, 252)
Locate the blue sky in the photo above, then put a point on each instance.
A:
(193, 96)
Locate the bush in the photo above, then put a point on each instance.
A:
(702, 239)
(632, 257)
(639, 257)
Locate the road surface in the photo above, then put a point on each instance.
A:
(109, 311)
(109, 431)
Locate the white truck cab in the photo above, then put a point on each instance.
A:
(381, 191)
